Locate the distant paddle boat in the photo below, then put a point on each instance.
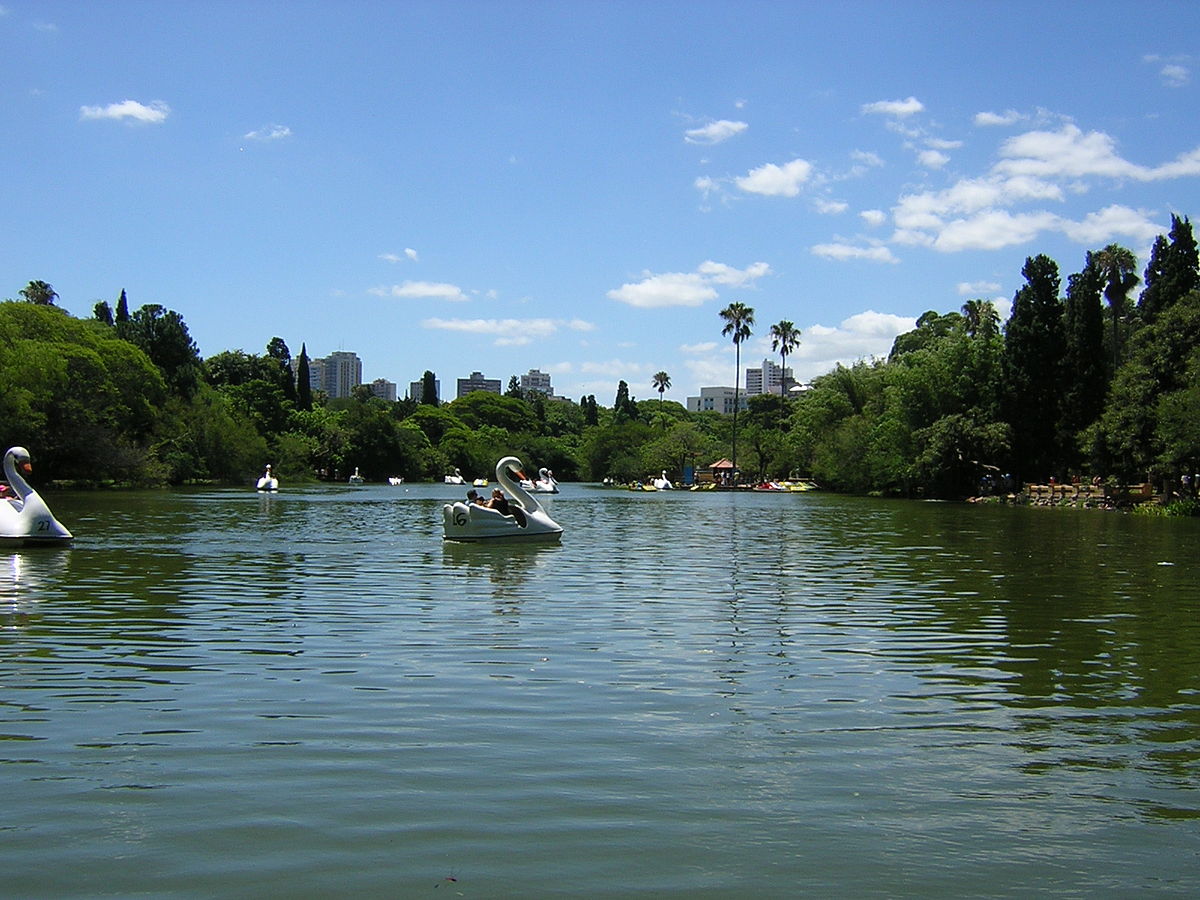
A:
(25, 519)
(663, 483)
(268, 481)
(527, 520)
(356, 478)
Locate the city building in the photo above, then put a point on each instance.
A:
(416, 390)
(336, 374)
(534, 380)
(716, 399)
(384, 389)
(768, 379)
(478, 383)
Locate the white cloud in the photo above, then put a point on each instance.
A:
(714, 132)
(976, 288)
(776, 181)
(668, 289)
(703, 347)
(508, 332)
(422, 290)
(1070, 153)
(269, 133)
(686, 288)
(409, 254)
(1008, 117)
(932, 159)
(722, 274)
(1103, 226)
(1173, 70)
(898, 108)
(154, 113)
(866, 335)
(844, 251)
(873, 217)
(831, 207)
(993, 229)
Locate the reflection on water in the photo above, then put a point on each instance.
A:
(694, 694)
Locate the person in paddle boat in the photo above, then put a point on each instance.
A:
(474, 498)
(499, 503)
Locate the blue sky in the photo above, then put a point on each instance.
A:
(580, 187)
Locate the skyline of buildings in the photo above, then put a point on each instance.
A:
(341, 371)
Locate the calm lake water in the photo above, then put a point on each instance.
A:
(224, 694)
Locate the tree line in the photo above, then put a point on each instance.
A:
(1082, 382)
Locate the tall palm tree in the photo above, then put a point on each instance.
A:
(1116, 266)
(738, 319)
(785, 337)
(661, 382)
(982, 318)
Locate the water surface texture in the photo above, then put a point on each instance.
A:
(224, 694)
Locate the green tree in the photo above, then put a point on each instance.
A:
(1034, 348)
(429, 394)
(739, 319)
(785, 337)
(40, 293)
(122, 314)
(514, 389)
(1173, 271)
(304, 398)
(1115, 265)
(980, 318)
(661, 382)
(283, 376)
(163, 335)
(1085, 382)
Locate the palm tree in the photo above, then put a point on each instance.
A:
(785, 337)
(1116, 266)
(661, 382)
(982, 318)
(39, 292)
(738, 319)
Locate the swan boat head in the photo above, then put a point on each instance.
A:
(25, 518)
(528, 521)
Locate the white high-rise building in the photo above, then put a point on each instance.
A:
(537, 381)
(768, 379)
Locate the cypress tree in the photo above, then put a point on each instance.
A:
(303, 386)
(1033, 353)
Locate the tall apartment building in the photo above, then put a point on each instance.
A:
(534, 380)
(336, 374)
(768, 379)
(478, 383)
(384, 389)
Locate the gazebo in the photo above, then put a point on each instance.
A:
(721, 471)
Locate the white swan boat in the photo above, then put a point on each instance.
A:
(456, 478)
(528, 520)
(545, 483)
(356, 478)
(268, 482)
(663, 483)
(25, 518)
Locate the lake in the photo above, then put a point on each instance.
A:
(217, 693)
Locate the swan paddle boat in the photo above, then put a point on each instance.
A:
(527, 520)
(268, 482)
(356, 478)
(456, 478)
(545, 483)
(663, 483)
(25, 518)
